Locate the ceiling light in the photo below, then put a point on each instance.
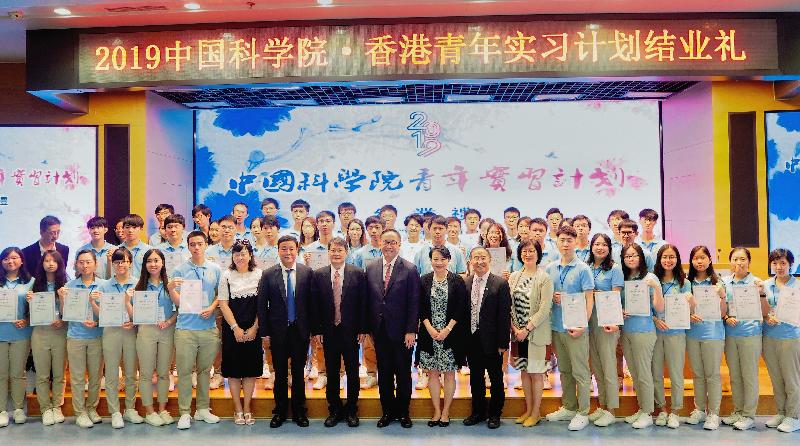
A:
(207, 104)
(191, 6)
(467, 97)
(294, 102)
(557, 97)
(648, 94)
(380, 100)
(62, 11)
(324, 2)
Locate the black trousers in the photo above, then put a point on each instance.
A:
(339, 343)
(480, 361)
(394, 363)
(293, 347)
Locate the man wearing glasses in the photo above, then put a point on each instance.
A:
(49, 230)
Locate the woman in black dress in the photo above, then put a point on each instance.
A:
(242, 356)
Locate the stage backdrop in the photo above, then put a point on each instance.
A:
(47, 170)
(783, 180)
(584, 157)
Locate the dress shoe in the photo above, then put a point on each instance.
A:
(494, 422)
(433, 423)
(352, 420)
(332, 420)
(385, 420)
(473, 420)
(277, 421)
(443, 423)
(405, 421)
(301, 420)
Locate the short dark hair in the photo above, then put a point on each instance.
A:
(196, 234)
(175, 218)
(374, 220)
(270, 200)
(203, 209)
(617, 213)
(164, 207)
(239, 246)
(479, 248)
(552, 211)
(438, 220)
(442, 250)
(388, 207)
(511, 209)
(269, 220)
(338, 241)
(328, 213)
(524, 244)
(781, 253)
(630, 224)
(539, 221)
(97, 222)
(300, 203)
(133, 220)
(584, 218)
(288, 238)
(122, 253)
(453, 220)
(50, 220)
(240, 203)
(648, 214)
(415, 217)
(343, 206)
(227, 217)
(740, 248)
(472, 211)
(391, 230)
(567, 230)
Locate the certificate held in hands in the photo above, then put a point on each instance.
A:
(746, 303)
(498, 262)
(76, 305)
(609, 308)
(573, 310)
(191, 297)
(318, 259)
(707, 299)
(677, 312)
(112, 310)
(43, 308)
(788, 309)
(8, 305)
(637, 298)
(145, 307)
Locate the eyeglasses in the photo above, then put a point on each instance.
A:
(632, 256)
(391, 242)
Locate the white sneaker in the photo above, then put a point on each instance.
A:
(341, 382)
(547, 385)
(578, 422)
(369, 382)
(102, 383)
(789, 425)
(606, 419)
(775, 421)
(194, 383)
(171, 383)
(269, 383)
(153, 419)
(644, 420)
(465, 370)
(19, 416)
(731, 419)
(116, 420)
(265, 371)
(362, 371)
(630, 419)
(216, 382)
(744, 423)
(673, 421)
(133, 416)
(712, 422)
(58, 416)
(321, 382)
(47, 418)
(3, 419)
(561, 414)
(185, 422)
(487, 381)
(696, 417)
(594, 416)
(84, 421)
(661, 419)
(166, 417)
(422, 381)
(94, 416)
(313, 373)
(206, 415)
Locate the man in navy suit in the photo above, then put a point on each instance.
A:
(340, 310)
(393, 317)
(49, 230)
(284, 315)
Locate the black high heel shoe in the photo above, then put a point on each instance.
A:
(433, 423)
(444, 423)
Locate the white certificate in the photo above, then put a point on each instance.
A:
(265, 263)
(172, 260)
(43, 308)
(676, 311)
(76, 305)
(318, 259)
(191, 296)
(707, 298)
(788, 309)
(8, 305)
(498, 262)
(145, 307)
(223, 262)
(746, 304)
(112, 310)
(573, 310)
(637, 298)
(609, 308)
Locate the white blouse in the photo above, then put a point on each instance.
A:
(236, 285)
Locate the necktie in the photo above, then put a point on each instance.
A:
(337, 298)
(476, 303)
(290, 296)
(386, 276)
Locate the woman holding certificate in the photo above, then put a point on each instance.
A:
(642, 295)
(781, 341)
(742, 338)
(48, 341)
(671, 325)
(84, 346)
(15, 333)
(603, 338)
(496, 241)
(152, 310)
(705, 340)
(531, 301)
(242, 357)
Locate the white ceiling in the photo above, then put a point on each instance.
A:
(38, 14)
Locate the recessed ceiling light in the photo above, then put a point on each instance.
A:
(557, 97)
(191, 6)
(324, 2)
(648, 94)
(62, 11)
(467, 97)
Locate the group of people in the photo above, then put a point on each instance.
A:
(424, 295)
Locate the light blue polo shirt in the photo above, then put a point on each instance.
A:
(217, 252)
(672, 287)
(583, 254)
(742, 328)
(313, 246)
(182, 248)
(102, 260)
(652, 246)
(138, 257)
(8, 332)
(266, 251)
(640, 324)
(457, 263)
(164, 302)
(616, 252)
(113, 285)
(290, 231)
(605, 281)
(706, 330)
(782, 330)
(574, 277)
(209, 273)
(76, 330)
(365, 254)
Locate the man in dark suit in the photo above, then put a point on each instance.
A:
(284, 313)
(393, 317)
(340, 309)
(489, 308)
(49, 230)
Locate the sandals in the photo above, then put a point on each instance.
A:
(248, 419)
(238, 418)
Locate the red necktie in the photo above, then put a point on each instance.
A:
(386, 275)
(337, 298)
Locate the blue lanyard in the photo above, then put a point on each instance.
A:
(667, 287)
(124, 288)
(563, 274)
(596, 274)
(8, 282)
(200, 273)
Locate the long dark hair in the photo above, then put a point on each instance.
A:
(608, 261)
(363, 240)
(641, 269)
(677, 271)
(503, 238)
(144, 276)
(712, 275)
(23, 275)
(40, 280)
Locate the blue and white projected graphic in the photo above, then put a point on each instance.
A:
(47, 171)
(587, 157)
(783, 180)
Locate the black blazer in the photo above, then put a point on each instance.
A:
(456, 310)
(353, 306)
(273, 316)
(33, 255)
(494, 320)
(398, 309)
